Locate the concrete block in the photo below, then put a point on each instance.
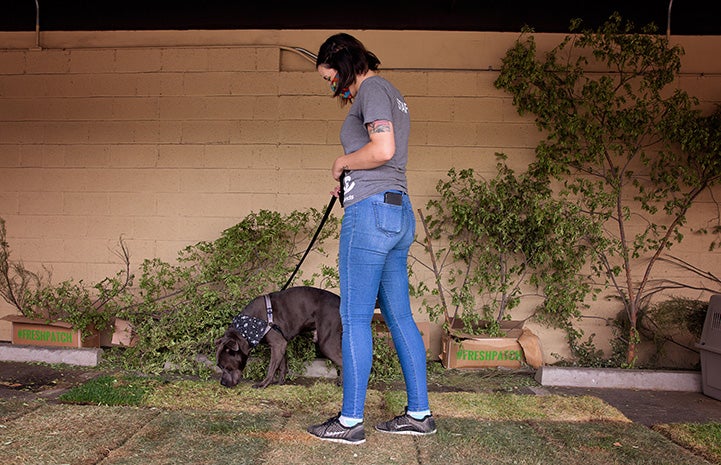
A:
(204, 180)
(223, 107)
(208, 132)
(616, 378)
(268, 59)
(99, 85)
(452, 134)
(86, 203)
(265, 107)
(410, 83)
(133, 156)
(180, 156)
(233, 59)
(216, 83)
(135, 108)
(257, 132)
(477, 110)
(92, 61)
(48, 61)
(20, 85)
(302, 83)
(13, 62)
(453, 84)
(164, 84)
(432, 109)
(176, 108)
(185, 59)
(140, 59)
(84, 156)
(9, 203)
(22, 353)
(127, 204)
(253, 83)
(38, 203)
(295, 132)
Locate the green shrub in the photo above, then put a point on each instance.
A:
(182, 308)
(501, 240)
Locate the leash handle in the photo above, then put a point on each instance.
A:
(341, 192)
(312, 241)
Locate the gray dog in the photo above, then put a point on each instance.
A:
(275, 319)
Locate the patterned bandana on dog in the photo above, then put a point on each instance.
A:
(251, 328)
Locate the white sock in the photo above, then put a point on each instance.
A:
(418, 415)
(349, 422)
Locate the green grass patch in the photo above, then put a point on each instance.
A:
(515, 407)
(702, 438)
(321, 396)
(480, 380)
(468, 441)
(111, 390)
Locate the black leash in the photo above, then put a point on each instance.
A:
(312, 241)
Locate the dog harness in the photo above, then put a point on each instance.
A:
(254, 329)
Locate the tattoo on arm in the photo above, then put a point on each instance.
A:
(378, 126)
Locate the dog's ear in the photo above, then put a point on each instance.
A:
(241, 344)
(227, 342)
(233, 341)
(233, 344)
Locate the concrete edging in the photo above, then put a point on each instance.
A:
(617, 378)
(613, 378)
(89, 357)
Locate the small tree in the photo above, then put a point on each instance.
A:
(609, 139)
(16, 281)
(502, 240)
(84, 307)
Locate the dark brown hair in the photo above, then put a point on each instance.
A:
(348, 56)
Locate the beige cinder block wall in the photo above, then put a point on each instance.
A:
(168, 137)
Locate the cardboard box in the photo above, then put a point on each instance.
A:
(123, 334)
(463, 350)
(27, 331)
(379, 325)
(480, 352)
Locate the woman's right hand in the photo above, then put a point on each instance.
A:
(336, 191)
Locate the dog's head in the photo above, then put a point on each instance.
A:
(232, 352)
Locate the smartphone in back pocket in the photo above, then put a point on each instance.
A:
(393, 198)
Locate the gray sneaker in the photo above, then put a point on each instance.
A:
(332, 430)
(406, 424)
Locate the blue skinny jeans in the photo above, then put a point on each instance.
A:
(373, 254)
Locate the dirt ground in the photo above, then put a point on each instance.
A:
(33, 380)
(36, 380)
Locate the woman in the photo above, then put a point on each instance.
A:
(377, 230)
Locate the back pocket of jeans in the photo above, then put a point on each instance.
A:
(389, 218)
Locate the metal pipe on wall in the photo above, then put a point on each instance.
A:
(37, 27)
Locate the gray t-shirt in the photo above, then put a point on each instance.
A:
(377, 99)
